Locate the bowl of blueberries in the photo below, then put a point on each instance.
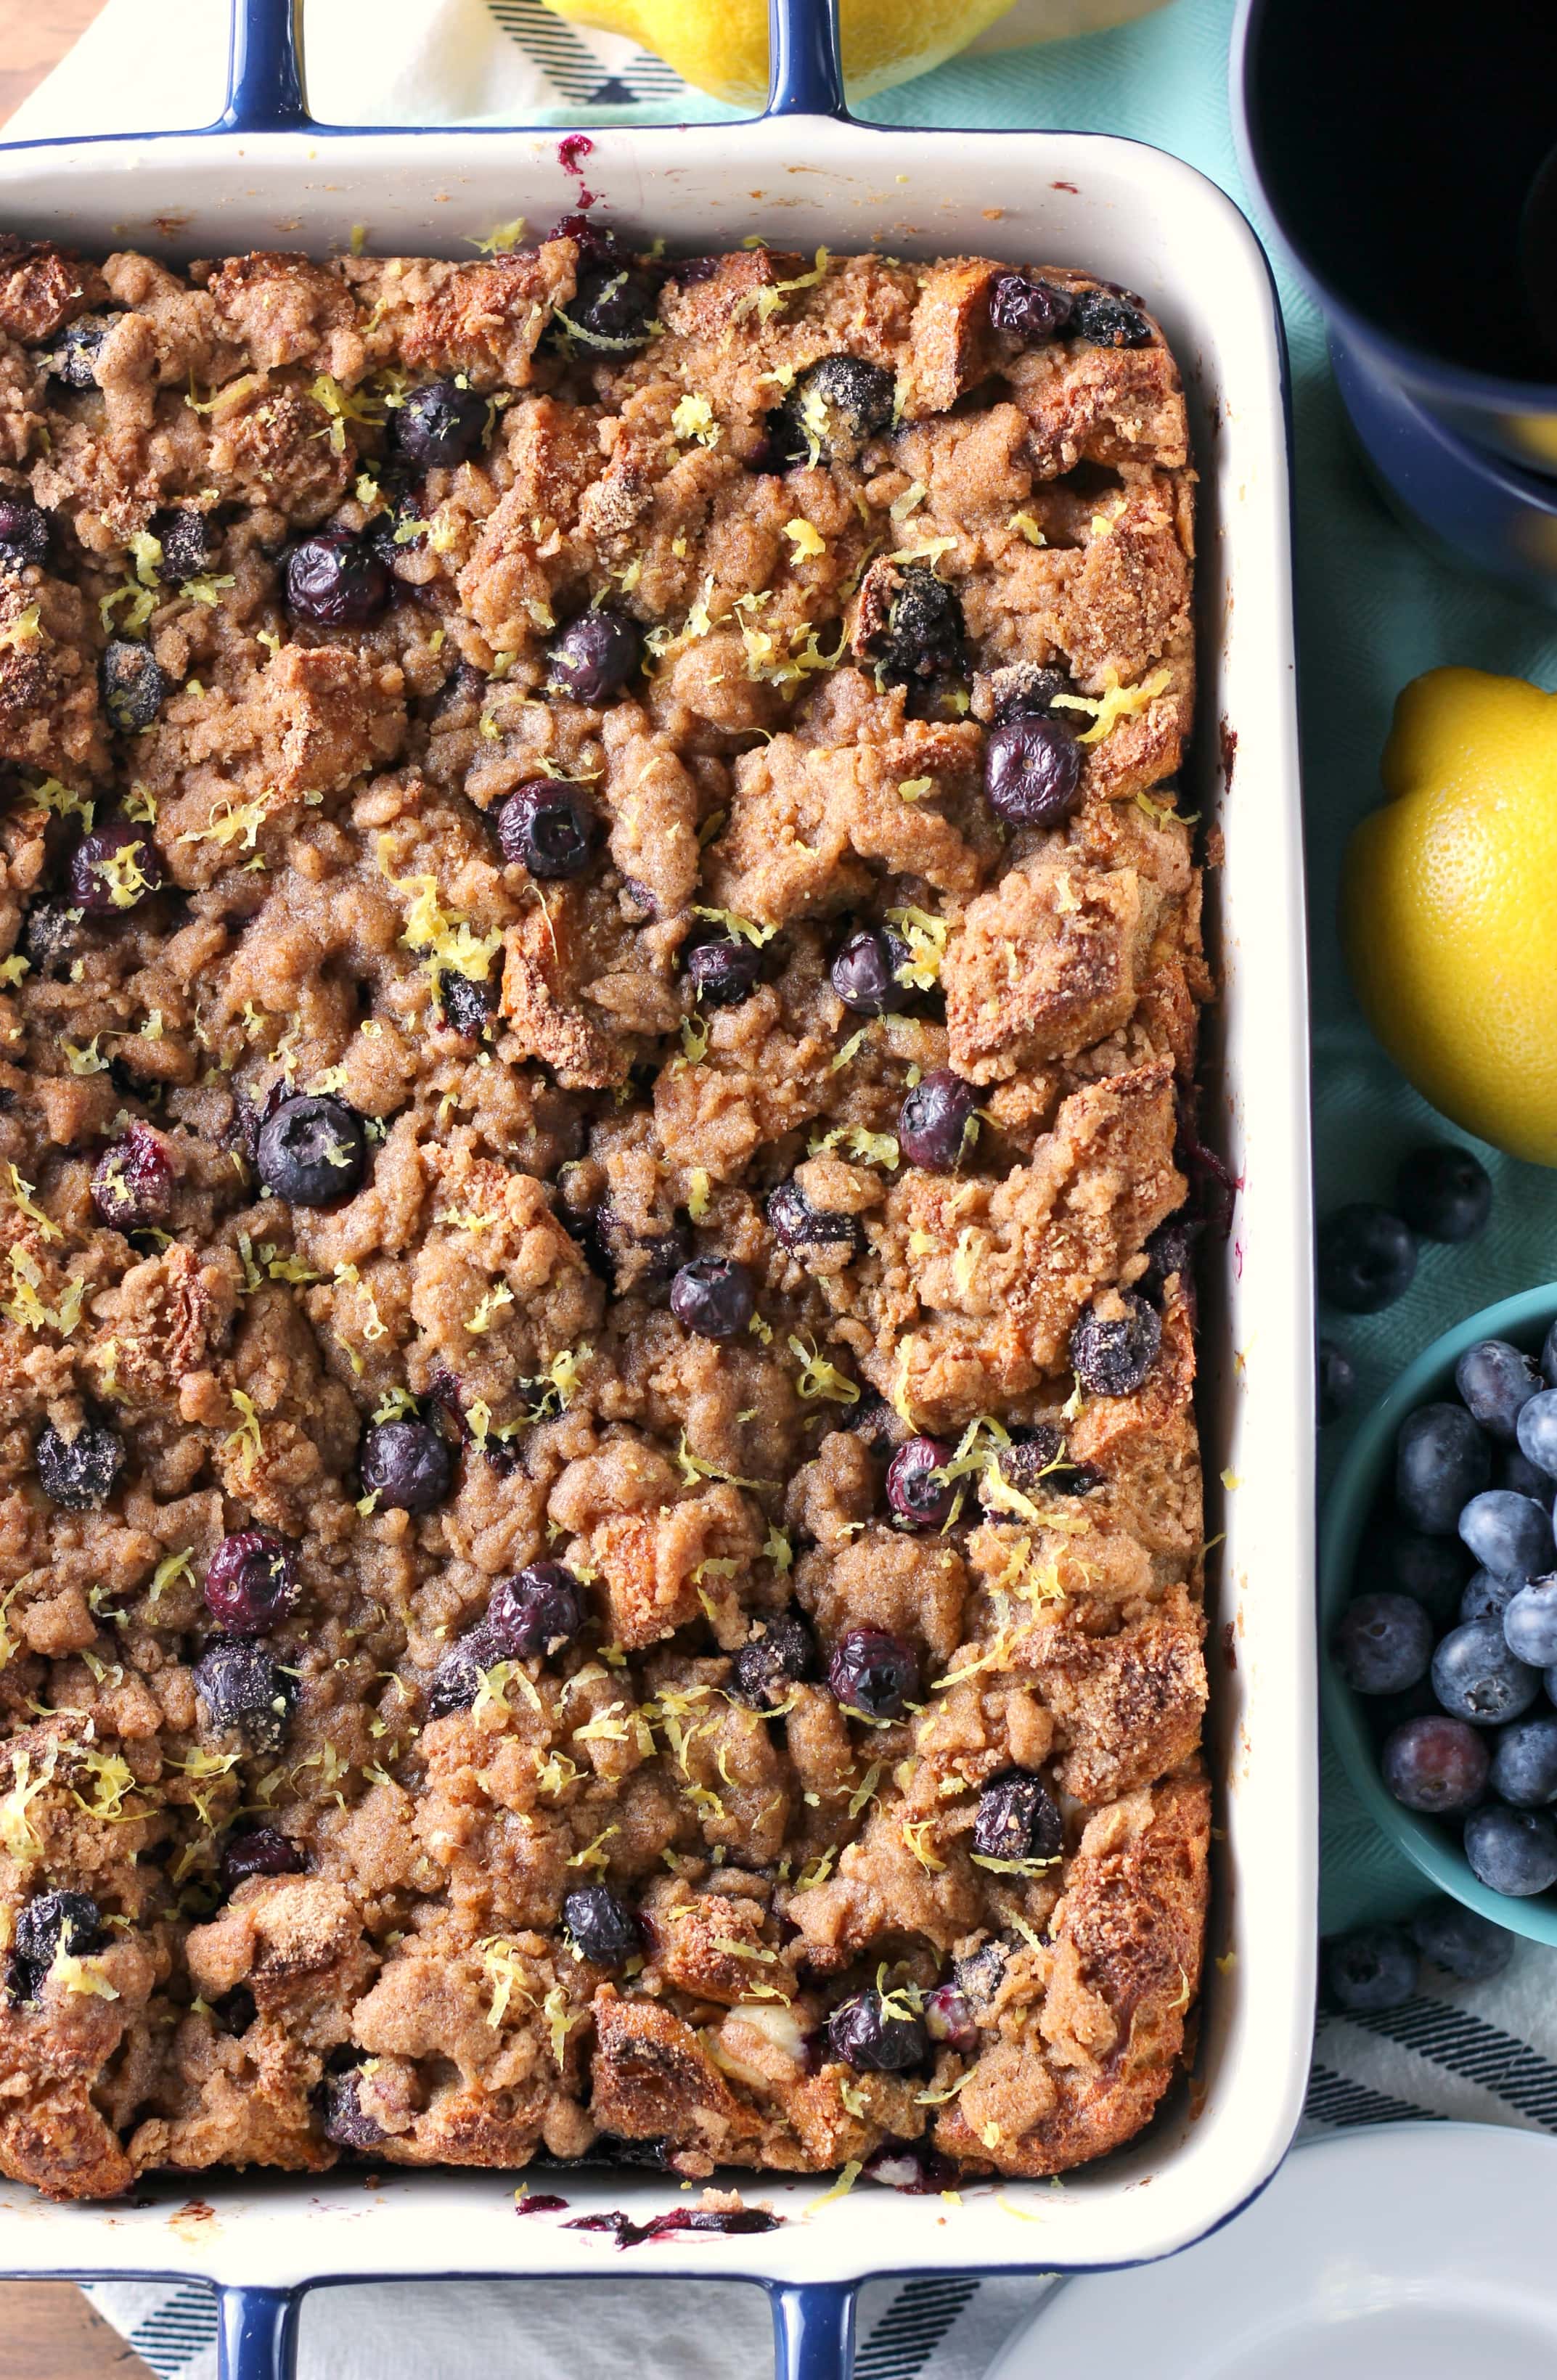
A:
(1438, 1612)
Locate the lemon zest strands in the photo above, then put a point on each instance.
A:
(1115, 702)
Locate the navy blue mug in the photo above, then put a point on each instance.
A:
(1406, 152)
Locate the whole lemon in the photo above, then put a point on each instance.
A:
(722, 46)
(1449, 904)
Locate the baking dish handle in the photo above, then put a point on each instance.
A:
(804, 68)
(265, 68)
(258, 2338)
(813, 2329)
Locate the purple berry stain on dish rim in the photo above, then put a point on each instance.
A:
(630, 2234)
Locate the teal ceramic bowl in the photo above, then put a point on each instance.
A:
(1364, 1471)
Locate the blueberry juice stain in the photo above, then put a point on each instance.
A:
(572, 150)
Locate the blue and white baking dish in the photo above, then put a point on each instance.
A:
(268, 177)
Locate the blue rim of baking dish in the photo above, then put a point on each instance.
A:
(1424, 1842)
(813, 2321)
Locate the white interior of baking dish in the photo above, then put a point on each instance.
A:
(1151, 222)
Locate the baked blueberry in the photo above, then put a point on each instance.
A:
(602, 1928)
(614, 306)
(865, 973)
(1111, 1352)
(831, 410)
(346, 2123)
(1370, 1969)
(595, 655)
(439, 424)
(1337, 1381)
(73, 359)
(1035, 1466)
(312, 1151)
(873, 1673)
(713, 1297)
(723, 971)
(1496, 1381)
(778, 1655)
(133, 688)
(1462, 1941)
(336, 580)
(1477, 1677)
(51, 938)
(245, 1691)
(550, 828)
(132, 1180)
(1106, 320)
(876, 2035)
(406, 1464)
(920, 1496)
(467, 1003)
(796, 1223)
(540, 1609)
(1028, 309)
(1442, 1461)
(258, 1851)
(1383, 1644)
(77, 1474)
(1435, 1763)
(1032, 772)
(647, 1262)
(1511, 1850)
(936, 1123)
(924, 635)
(456, 1681)
(52, 1922)
(1018, 1818)
(113, 868)
(251, 1582)
(949, 2019)
(1018, 690)
(1444, 1194)
(187, 538)
(24, 530)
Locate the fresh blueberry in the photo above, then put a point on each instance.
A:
(540, 1609)
(132, 1180)
(1494, 1381)
(919, 1494)
(312, 1151)
(1367, 1258)
(1513, 1852)
(1032, 772)
(873, 1673)
(1337, 1381)
(1018, 1818)
(1509, 1534)
(467, 1003)
(24, 530)
(614, 306)
(865, 973)
(1028, 309)
(936, 1123)
(1549, 1355)
(1476, 1677)
(406, 1464)
(1537, 1430)
(77, 1474)
(1516, 1470)
(346, 2123)
(1442, 1461)
(1430, 1570)
(723, 972)
(73, 361)
(133, 688)
(1370, 1969)
(595, 655)
(439, 424)
(601, 1925)
(1444, 1194)
(550, 829)
(1436, 1764)
(336, 580)
(1112, 1355)
(875, 2037)
(251, 1582)
(796, 1223)
(832, 410)
(52, 1922)
(1106, 320)
(1529, 1622)
(924, 635)
(113, 868)
(258, 1851)
(188, 542)
(713, 1297)
(244, 1689)
(1525, 1763)
(1383, 1644)
(777, 1655)
(1487, 1598)
(1462, 1941)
